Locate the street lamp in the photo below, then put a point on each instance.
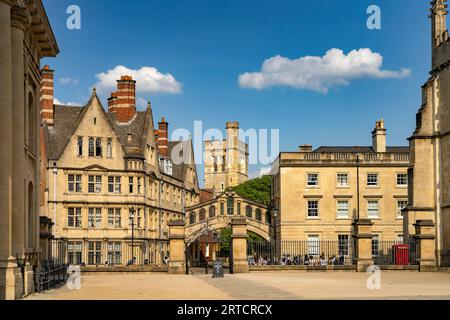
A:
(132, 211)
(275, 215)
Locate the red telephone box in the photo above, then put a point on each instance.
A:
(401, 254)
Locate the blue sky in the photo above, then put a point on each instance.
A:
(205, 45)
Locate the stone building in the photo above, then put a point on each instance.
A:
(319, 193)
(26, 38)
(205, 220)
(429, 196)
(110, 182)
(226, 161)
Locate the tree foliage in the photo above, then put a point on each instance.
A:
(257, 190)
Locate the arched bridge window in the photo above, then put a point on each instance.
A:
(258, 215)
(268, 218)
(212, 211)
(202, 215)
(192, 218)
(248, 211)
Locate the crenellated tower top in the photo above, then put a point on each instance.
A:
(438, 20)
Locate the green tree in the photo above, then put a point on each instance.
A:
(257, 190)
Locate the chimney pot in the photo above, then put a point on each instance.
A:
(47, 95)
(305, 148)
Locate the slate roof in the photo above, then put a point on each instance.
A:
(66, 119)
(357, 149)
(132, 135)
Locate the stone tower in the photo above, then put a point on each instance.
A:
(429, 174)
(226, 161)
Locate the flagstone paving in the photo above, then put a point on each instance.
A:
(268, 285)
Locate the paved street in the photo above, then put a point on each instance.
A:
(270, 285)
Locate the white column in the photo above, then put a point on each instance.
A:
(5, 132)
(20, 204)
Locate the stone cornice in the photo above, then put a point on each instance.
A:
(19, 18)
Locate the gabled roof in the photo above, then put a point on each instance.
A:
(132, 135)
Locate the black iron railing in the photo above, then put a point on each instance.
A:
(49, 275)
(394, 253)
(300, 252)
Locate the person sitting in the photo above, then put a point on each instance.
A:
(306, 260)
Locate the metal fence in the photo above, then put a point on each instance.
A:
(394, 252)
(301, 252)
(50, 275)
(109, 253)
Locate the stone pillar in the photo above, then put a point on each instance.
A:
(177, 258)
(362, 233)
(426, 244)
(239, 245)
(19, 21)
(8, 268)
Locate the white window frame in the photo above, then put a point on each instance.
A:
(405, 177)
(309, 181)
(74, 217)
(339, 209)
(370, 210)
(340, 185)
(371, 184)
(308, 208)
(313, 244)
(399, 209)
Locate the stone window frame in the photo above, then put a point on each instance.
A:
(370, 183)
(94, 253)
(109, 148)
(114, 218)
(398, 213)
(405, 177)
(74, 217)
(75, 185)
(80, 146)
(308, 208)
(337, 209)
(95, 217)
(317, 182)
(337, 180)
(95, 185)
(368, 209)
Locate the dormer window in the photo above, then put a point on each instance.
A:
(168, 166)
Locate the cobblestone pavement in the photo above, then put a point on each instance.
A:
(270, 285)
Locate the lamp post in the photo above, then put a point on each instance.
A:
(275, 215)
(132, 211)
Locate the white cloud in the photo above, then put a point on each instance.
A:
(148, 81)
(71, 103)
(68, 81)
(319, 73)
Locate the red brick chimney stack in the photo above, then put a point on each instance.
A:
(123, 101)
(163, 140)
(47, 94)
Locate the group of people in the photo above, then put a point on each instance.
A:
(313, 260)
(307, 260)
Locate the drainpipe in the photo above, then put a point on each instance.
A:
(55, 173)
(160, 217)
